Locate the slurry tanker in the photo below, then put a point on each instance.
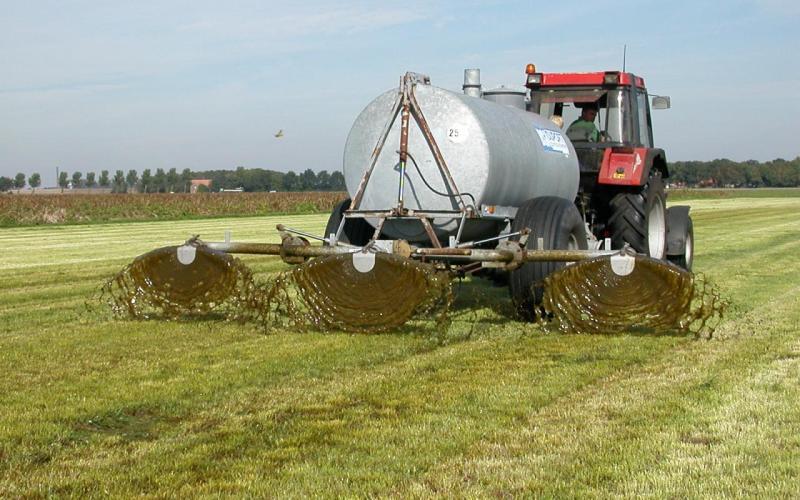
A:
(511, 183)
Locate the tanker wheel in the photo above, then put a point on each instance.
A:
(685, 259)
(355, 232)
(558, 222)
(639, 218)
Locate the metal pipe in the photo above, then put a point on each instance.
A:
(563, 255)
(404, 119)
(461, 227)
(281, 227)
(472, 82)
(470, 254)
(487, 240)
(278, 249)
(249, 248)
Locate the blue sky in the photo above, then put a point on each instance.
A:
(89, 85)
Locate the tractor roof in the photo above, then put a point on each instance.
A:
(598, 78)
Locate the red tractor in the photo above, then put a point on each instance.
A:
(622, 188)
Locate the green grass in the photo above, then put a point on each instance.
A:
(91, 406)
(677, 194)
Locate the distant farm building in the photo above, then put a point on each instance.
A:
(196, 183)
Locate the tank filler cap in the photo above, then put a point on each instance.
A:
(510, 95)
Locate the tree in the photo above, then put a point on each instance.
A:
(146, 183)
(6, 183)
(172, 180)
(90, 182)
(337, 181)
(308, 180)
(132, 178)
(274, 181)
(63, 180)
(160, 180)
(291, 182)
(76, 179)
(752, 173)
(104, 182)
(35, 180)
(19, 181)
(118, 184)
(186, 179)
(323, 180)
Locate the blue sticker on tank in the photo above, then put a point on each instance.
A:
(553, 141)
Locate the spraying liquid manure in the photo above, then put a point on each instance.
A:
(329, 293)
(183, 280)
(592, 297)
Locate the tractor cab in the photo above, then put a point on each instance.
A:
(622, 120)
(623, 117)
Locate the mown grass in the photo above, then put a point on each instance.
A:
(91, 406)
(676, 194)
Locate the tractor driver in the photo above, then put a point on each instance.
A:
(584, 129)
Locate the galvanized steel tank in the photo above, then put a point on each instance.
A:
(500, 155)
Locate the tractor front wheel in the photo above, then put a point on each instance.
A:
(559, 224)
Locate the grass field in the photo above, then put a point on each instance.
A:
(90, 406)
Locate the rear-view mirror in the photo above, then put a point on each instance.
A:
(661, 102)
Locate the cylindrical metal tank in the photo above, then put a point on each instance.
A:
(498, 154)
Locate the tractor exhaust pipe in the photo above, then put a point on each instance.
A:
(472, 83)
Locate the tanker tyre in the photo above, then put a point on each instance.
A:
(355, 232)
(559, 223)
(639, 218)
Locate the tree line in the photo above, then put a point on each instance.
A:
(258, 179)
(172, 181)
(715, 173)
(159, 182)
(728, 173)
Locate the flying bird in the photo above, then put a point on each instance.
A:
(279, 133)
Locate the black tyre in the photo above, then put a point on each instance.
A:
(356, 231)
(638, 218)
(558, 222)
(685, 259)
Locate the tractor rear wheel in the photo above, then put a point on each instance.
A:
(559, 223)
(355, 232)
(639, 218)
